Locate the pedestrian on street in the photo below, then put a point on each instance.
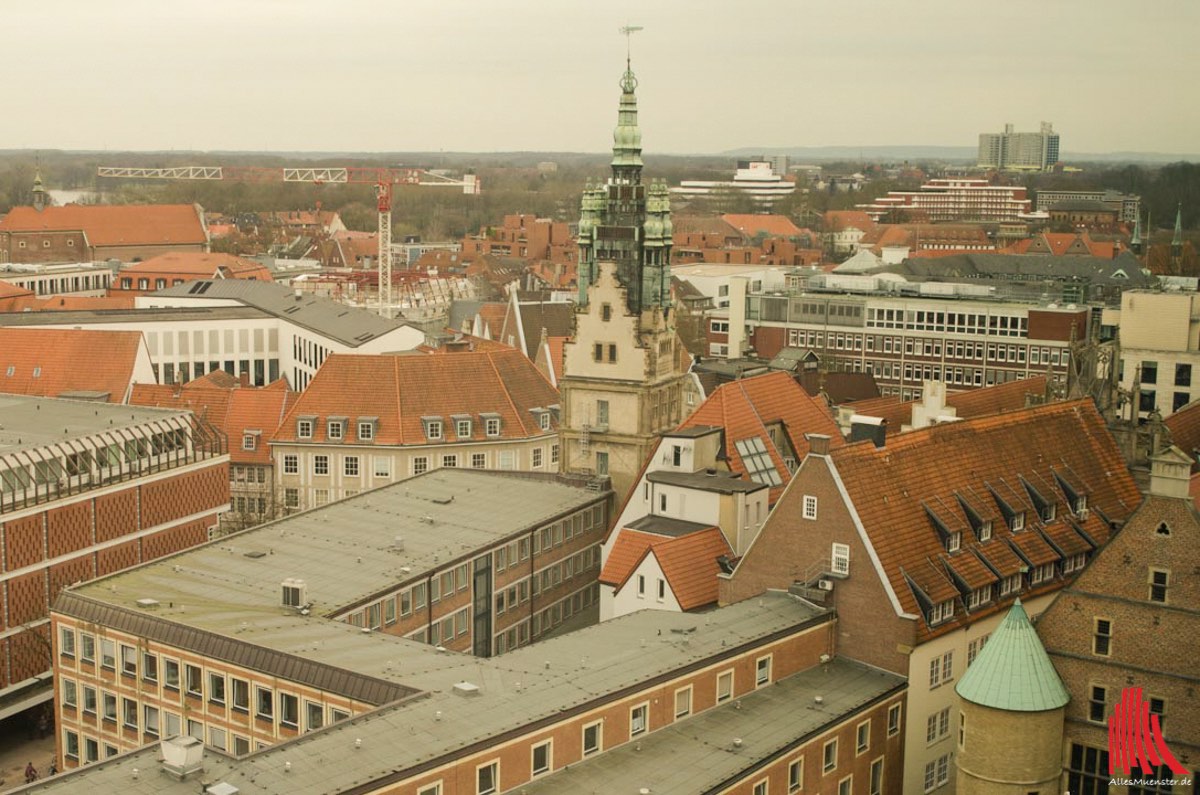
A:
(31, 773)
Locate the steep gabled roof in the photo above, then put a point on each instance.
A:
(115, 224)
(400, 390)
(1013, 672)
(746, 407)
(981, 462)
(50, 362)
(689, 562)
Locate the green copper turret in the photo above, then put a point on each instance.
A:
(625, 221)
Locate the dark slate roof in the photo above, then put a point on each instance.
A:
(337, 321)
(1025, 267)
(558, 318)
(720, 482)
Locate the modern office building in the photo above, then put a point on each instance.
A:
(1024, 151)
(756, 179)
(953, 199)
(86, 489)
(258, 328)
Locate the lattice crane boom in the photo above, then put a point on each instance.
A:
(384, 179)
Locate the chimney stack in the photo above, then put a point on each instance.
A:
(818, 443)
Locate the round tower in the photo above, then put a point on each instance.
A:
(1010, 715)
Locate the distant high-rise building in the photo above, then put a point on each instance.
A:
(1026, 151)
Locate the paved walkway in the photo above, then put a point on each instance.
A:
(16, 751)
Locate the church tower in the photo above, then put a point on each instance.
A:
(623, 380)
(41, 199)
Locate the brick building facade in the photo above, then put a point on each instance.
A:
(120, 487)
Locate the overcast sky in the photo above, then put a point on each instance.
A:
(483, 75)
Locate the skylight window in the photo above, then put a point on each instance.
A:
(758, 461)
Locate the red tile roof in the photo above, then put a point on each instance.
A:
(401, 389)
(49, 362)
(895, 489)
(200, 265)
(1064, 243)
(689, 562)
(65, 303)
(115, 224)
(771, 225)
(1184, 426)
(232, 408)
(837, 220)
(11, 295)
(968, 404)
(746, 407)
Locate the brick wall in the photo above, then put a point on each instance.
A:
(790, 548)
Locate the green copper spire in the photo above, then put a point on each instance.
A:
(1013, 671)
(627, 138)
(40, 197)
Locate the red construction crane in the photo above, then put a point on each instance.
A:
(384, 179)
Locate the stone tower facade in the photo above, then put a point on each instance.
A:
(623, 373)
(1010, 715)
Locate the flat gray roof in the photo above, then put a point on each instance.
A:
(697, 756)
(665, 526)
(346, 551)
(720, 482)
(158, 315)
(31, 422)
(347, 324)
(545, 681)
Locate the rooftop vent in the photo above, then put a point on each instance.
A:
(398, 543)
(222, 788)
(295, 592)
(443, 500)
(147, 603)
(182, 756)
(257, 553)
(466, 689)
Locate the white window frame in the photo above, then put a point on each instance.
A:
(493, 763)
(599, 727)
(549, 746)
(809, 510)
(644, 708)
(839, 559)
(759, 679)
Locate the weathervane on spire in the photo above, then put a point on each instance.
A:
(628, 81)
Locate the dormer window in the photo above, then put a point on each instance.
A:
(544, 420)
(979, 597)
(433, 428)
(1048, 512)
(1010, 585)
(491, 424)
(304, 427)
(366, 428)
(940, 612)
(462, 426)
(1080, 506)
(953, 542)
(336, 429)
(1041, 574)
(250, 440)
(985, 530)
(1017, 522)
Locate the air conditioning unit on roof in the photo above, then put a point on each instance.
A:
(825, 585)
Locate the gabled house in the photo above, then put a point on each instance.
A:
(365, 421)
(923, 540)
(704, 492)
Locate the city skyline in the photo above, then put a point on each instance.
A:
(275, 76)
